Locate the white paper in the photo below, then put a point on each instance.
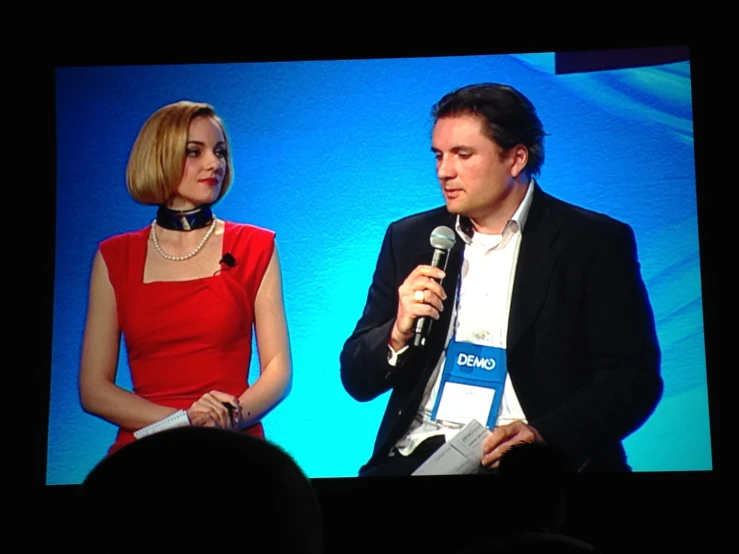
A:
(462, 403)
(177, 419)
(460, 455)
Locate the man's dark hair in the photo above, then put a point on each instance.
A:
(509, 117)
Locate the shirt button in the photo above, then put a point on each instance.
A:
(400, 412)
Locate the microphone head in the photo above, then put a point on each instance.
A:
(442, 238)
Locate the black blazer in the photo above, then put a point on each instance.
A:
(582, 350)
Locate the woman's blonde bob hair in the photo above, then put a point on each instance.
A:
(157, 158)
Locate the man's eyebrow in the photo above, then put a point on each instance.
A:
(453, 149)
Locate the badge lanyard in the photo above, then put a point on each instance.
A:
(472, 381)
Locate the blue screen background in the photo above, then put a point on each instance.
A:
(327, 154)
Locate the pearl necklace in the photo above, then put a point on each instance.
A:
(186, 256)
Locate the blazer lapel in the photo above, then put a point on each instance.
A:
(536, 260)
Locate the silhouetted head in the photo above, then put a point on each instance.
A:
(534, 476)
(533, 460)
(195, 485)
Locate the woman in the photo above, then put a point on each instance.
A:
(184, 293)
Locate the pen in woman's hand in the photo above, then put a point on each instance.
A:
(232, 411)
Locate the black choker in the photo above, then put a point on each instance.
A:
(184, 220)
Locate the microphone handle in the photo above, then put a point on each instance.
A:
(423, 324)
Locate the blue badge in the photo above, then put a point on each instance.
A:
(471, 384)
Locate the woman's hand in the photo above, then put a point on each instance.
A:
(209, 411)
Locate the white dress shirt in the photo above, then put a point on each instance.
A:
(481, 317)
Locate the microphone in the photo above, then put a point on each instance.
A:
(228, 260)
(442, 239)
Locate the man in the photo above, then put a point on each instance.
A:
(549, 293)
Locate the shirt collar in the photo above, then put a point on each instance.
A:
(463, 225)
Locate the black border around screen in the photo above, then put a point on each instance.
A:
(28, 431)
